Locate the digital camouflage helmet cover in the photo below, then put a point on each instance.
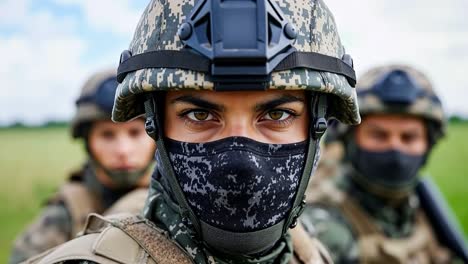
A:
(316, 34)
(401, 89)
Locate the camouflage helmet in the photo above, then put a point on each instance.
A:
(155, 61)
(95, 101)
(401, 89)
(395, 89)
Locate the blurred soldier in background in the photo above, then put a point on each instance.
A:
(237, 100)
(120, 157)
(369, 210)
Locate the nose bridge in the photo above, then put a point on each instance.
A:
(239, 126)
(396, 141)
(123, 144)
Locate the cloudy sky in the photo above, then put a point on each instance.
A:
(49, 47)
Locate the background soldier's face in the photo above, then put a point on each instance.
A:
(398, 132)
(270, 117)
(121, 146)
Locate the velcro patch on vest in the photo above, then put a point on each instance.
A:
(154, 240)
(116, 245)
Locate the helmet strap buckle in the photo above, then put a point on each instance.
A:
(319, 110)
(150, 124)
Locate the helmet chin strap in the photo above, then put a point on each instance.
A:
(127, 179)
(245, 243)
(318, 109)
(153, 127)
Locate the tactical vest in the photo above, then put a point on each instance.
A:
(421, 247)
(80, 202)
(131, 239)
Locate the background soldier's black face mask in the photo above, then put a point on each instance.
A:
(392, 169)
(237, 184)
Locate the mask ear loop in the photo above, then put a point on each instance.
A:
(153, 125)
(318, 106)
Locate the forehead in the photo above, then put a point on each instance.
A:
(392, 122)
(108, 124)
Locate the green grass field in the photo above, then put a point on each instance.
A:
(33, 162)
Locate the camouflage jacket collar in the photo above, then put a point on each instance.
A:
(395, 218)
(164, 212)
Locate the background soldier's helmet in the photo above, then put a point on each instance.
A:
(164, 24)
(95, 101)
(396, 89)
(401, 89)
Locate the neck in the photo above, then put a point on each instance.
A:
(395, 215)
(389, 196)
(164, 212)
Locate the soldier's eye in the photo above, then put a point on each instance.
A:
(108, 134)
(135, 132)
(277, 115)
(199, 115)
(410, 137)
(378, 135)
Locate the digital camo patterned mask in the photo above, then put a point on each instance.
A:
(238, 184)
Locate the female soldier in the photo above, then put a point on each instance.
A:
(119, 161)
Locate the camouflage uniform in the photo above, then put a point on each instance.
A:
(361, 222)
(170, 230)
(64, 215)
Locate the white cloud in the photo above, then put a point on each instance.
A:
(109, 15)
(42, 67)
(39, 69)
(12, 11)
(428, 34)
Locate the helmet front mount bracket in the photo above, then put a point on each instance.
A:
(245, 40)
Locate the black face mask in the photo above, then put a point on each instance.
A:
(238, 185)
(389, 170)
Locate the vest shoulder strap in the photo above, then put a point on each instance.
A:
(308, 250)
(79, 201)
(156, 242)
(80, 248)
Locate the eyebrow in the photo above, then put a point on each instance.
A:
(383, 129)
(199, 102)
(376, 127)
(284, 99)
